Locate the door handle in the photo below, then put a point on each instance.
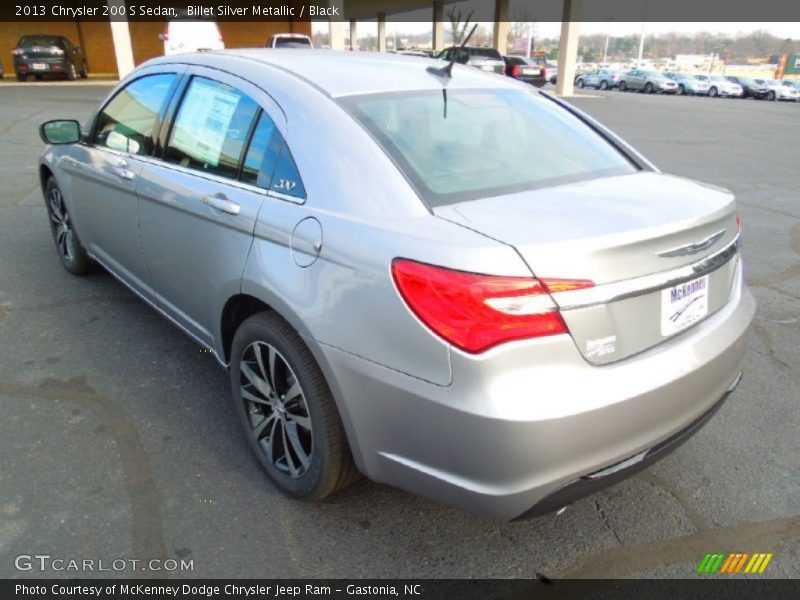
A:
(122, 170)
(221, 203)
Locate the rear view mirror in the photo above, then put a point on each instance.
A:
(61, 131)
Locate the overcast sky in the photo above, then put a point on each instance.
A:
(782, 30)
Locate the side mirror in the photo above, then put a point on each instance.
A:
(61, 131)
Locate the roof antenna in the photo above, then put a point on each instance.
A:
(447, 72)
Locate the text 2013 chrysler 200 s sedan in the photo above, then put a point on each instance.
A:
(446, 281)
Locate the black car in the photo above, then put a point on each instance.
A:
(526, 70)
(750, 87)
(41, 55)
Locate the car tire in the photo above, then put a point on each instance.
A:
(299, 441)
(85, 71)
(22, 77)
(72, 72)
(771, 95)
(648, 88)
(622, 86)
(681, 90)
(712, 92)
(580, 83)
(69, 247)
(604, 85)
(38, 77)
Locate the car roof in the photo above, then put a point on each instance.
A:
(340, 73)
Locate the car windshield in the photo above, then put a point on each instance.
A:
(483, 143)
(39, 40)
(291, 42)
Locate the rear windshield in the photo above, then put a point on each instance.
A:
(40, 40)
(485, 53)
(483, 143)
(286, 42)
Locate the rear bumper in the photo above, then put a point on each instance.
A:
(525, 421)
(594, 482)
(51, 65)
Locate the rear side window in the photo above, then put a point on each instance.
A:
(265, 147)
(269, 163)
(211, 128)
(484, 143)
(127, 122)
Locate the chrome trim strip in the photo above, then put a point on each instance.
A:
(620, 290)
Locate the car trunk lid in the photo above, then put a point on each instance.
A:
(637, 237)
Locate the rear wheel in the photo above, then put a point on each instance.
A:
(771, 95)
(21, 77)
(70, 250)
(648, 88)
(713, 92)
(287, 411)
(622, 86)
(681, 89)
(580, 83)
(84, 71)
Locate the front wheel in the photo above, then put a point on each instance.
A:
(648, 88)
(771, 95)
(622, 86)
(681, 90)
(70, 250)
(713, 92)
(580, 83)
(287, 411)
(604, 85)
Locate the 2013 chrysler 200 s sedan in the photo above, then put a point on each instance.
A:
(446, 281)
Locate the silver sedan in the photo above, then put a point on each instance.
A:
(447, 281)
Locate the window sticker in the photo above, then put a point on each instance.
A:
(205, 116)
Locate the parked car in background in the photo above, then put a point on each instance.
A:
(688, 83)
(2, 70)
(649, 82)
(777, 90)
(41, 55)
(526, 70)
(603, 79)
(552, 72)
(406, 52)
(720, 86)
(750, 87)
(485, 59)
(184, 35)
(539, 311)
(289, 40)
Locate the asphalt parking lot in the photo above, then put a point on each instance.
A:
(118, 439)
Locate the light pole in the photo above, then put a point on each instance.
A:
(641, 46)
(605, 52)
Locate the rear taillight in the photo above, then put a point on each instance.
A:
(166, 34)
(515, 71)
(738, 224)
(543, 73)
(476, 312)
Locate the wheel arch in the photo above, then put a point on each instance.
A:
(241, 307)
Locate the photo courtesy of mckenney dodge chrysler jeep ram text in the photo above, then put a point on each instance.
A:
(445, 280)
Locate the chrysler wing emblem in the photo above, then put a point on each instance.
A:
(692, 248)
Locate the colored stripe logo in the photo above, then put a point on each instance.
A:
(733, 563)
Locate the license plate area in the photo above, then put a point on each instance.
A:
(39, 66)
(683, 305)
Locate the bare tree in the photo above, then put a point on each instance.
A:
(458, 23)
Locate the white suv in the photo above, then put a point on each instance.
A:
(289, 40)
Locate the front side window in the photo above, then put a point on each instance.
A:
(484, 143)
(127, 122)
(211, 128)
